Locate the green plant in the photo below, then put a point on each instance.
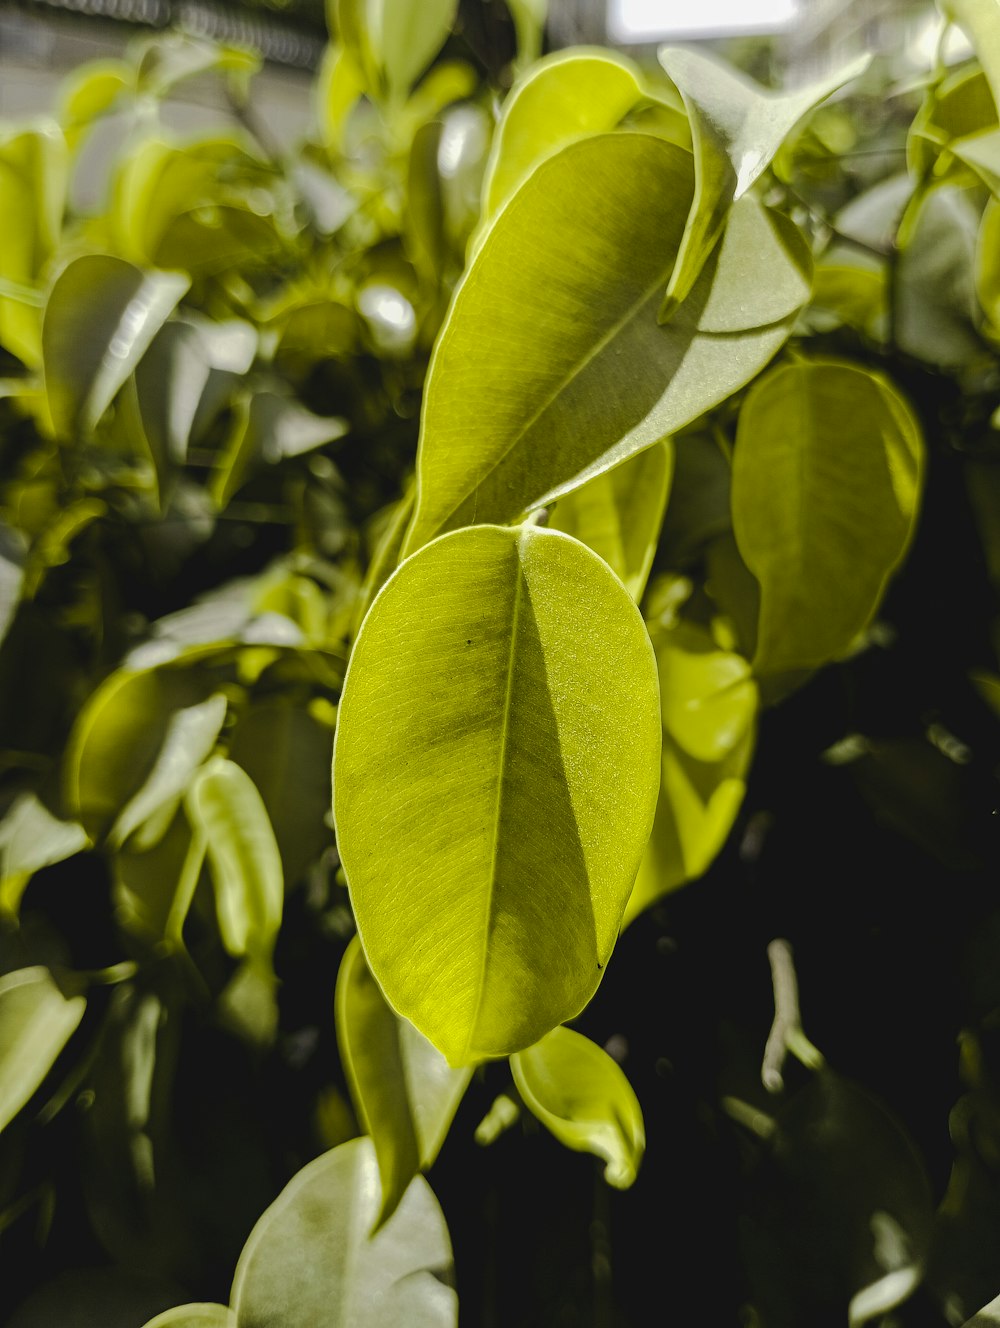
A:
(680, 371)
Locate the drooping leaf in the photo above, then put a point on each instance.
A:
(934, 292)
(579, 1093)
(737, 126)
(32, 838)
(191, 734)
(33, 183)
(495, 773)
(101, 316)
(404, 1091)
(224, 804)
(310, 1261)
(37, 1019)
(709, 704)
(826, 481)
(566, 96)
(551, 367)
(619, 513)
(202, 1315)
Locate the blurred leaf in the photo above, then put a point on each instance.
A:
(385, 558)
(37, 1018)
(960, 106)
(404, 1091)
(339, 87)
(33, 183)
(309, 1259)
(195, 1316)
(736, 126)
(267, 428)
(525, 397)
(191, 734)
(154, 886)
(12, 554)
(101, 316)
(88, 93)
(32, 838)
(566, 96)
(935, 294)
(583, 1097)
(827, 474)
(169, 58)
(394, 40)
(529, 23)
(619, 514)
(461, 718)
(224, 804)
(981, 21)
(988, 1316)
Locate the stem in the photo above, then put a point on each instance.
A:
(539, 517)
(786, 1032)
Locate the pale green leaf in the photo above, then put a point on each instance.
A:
(33, 182)
(495, 775)
(988, 1316)
(619, 513)
(579, 1093)
(981, 154)
(935, 295)
(827, 474)
(987, 265)
(13, 549)
(980, 19)
(37, 1019)
(169, 58)
(551, 366)
(709, 706)
(340, 85)
(309, 1260)
(90, 92)
(190, 736)
(32, 838)
(268, 427)
(394, 40)
(385, 556)
(566, 96)
(101, 316)
(225, 806)
(960, 106)
(202, 1315)
(737, 126)
(404, 1091)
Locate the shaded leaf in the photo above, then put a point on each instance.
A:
(37, 1019)
(579, 1093)
(935, 294)
(32, 838)
(309, 1259)
(737, 126)
(13, 549)
(403, 1089)
(490, 824)
(101, 316)
(826, 480)
(268, 428)
(981, 21)
(551, 367)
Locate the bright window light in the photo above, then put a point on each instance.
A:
(635, 21)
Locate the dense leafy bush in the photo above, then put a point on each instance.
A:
(693, 583)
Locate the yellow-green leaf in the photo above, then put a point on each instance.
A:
(826, 481)
(981, 21)
(495, 774)
(37, 1019)
(32, 838)
(579, 1093)
(551, 366)
(619, 513)
(203, 1315)
(404, 1091)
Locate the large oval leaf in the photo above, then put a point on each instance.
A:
(826, 480)
(495, 774)
(579, 1093)
(101, 315)
(37, 1019)
(405, 1092)
(619, 513)
(551, 366)
(309, 1260)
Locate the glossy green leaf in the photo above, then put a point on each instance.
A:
(495, 774)
(566, 96)
(737, 126)
(37, 1019)
(268, 427)
(619, 514)
(394, 40)
(404, 1091)
(33, 183)
(32, 838)
(101, 316)
(191, 734)
(309, 1260)
(981, 21)
(202, 1315)
(826, 481)
(224, 804)
(119, 736)
(579, 1093)
(551, 367)
(709, 706)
